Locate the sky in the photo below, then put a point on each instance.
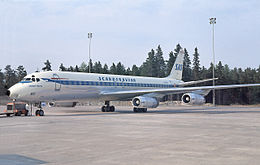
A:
(32, 31)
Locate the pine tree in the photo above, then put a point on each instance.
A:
(120, 69)
(10, 76)
(203, 73)
(76, 69)
(128, 71)
(196, 65)
(21, 72)
(83, 67)
(186, 67)
(47, 66)
(170, 62)
(220, 72)
(105, 69)
(71, 69)
(149, 68)
(97, 68)
(62, 67)
(90, 64)
(226, 74)
(2, 85)
(113, 69)
(160, 63)
(135, 70)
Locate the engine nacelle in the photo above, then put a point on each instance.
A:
(145, 102)
(192, 98)
(62, 104)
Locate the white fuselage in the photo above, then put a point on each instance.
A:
(58, 86)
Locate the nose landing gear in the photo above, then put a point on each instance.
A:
(39, 112)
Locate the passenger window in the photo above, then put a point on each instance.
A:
(37, 79)
(28, 79)
(33, 79)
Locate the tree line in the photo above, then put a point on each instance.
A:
(156, 66)
(10, 76)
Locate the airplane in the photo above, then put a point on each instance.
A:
(68, 88)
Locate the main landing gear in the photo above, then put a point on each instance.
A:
(107, 108)
(140, 110)
(39, 112)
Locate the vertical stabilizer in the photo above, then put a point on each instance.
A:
(176, 72)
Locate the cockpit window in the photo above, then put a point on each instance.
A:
(33, 78)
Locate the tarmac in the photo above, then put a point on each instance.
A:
(191, 135)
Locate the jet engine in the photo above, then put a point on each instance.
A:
(145, 102)
(192, 98)
(62, 104)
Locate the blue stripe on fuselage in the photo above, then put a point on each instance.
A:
(99, 83)
(25, 82)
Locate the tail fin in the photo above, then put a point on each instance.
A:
(177, 68)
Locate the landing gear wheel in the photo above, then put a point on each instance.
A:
(41, 113)
(107, 108)
(112, 109)
(140, 110)
(103, 109)
(144, 110)
(135, 110)
(37, 113)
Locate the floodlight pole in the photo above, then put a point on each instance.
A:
(213, 22)
(89, 36)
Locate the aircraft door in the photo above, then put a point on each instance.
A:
(57, 83)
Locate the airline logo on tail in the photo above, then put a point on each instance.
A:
(178, 67)
(176, 72)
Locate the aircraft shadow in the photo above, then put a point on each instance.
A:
(203, 110)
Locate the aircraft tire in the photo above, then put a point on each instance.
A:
(140, 110)
(37, 112)
(41, 112)
(103, 109)
(144, 110)
(135, 110)
(112, 109)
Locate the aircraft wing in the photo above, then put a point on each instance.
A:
(132, 93)
(195, 82)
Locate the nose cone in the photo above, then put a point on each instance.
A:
(13, 92)
(8, 93)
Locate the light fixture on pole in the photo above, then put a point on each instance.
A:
(89, 36)
(213, 22)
